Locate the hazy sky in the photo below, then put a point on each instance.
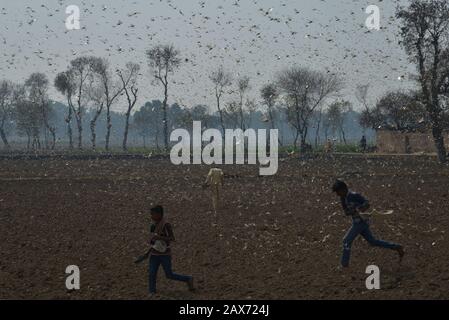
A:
(254, 38)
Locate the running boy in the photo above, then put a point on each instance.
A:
(353, 204)
(160, 254)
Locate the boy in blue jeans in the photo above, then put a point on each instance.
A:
(160, 253)
(354, 203)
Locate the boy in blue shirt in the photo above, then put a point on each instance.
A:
(353, 204)
(160, 253)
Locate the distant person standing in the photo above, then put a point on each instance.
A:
(328, 147)
(353, 204)
(363, 143)
(215, 179)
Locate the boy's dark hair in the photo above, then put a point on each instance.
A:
(157, 209)
(339, 185)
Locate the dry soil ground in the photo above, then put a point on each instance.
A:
(275, 237)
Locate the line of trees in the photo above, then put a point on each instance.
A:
(88, 86)
(90, 83)
(29, 106)
(148, 120)
(296, 91)
(305, 99)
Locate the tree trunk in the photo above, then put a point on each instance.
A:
(108, 127)
(317, 132)
(93, 124)
(4, 138)
(93, 138)
(53, 137)
(36, 142)
(164, 107)
(295, 141)
(303, 143)
(46, 138)
(242, 120)
(270, 114)
(439, 142)
(220, 112)
(69, 128)
(304, 139)
(52, 131)
(222, 122)
(343, 136)
(80, 133)
(125, 135)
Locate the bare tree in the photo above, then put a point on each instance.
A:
(396, 110)
(97, 98)
(81, 76)
(304, 91)
(243, 87)
(361, 95)
(221, 80)
(6, 109)
(251, 107)
(111, 90)
(270, 94)
(371, 118)
(141, 122)
(318, 120)
(65, 85)
(232, 113)
(28, 117)
(425, 37)
(366, 116)
(337, 114)
(37, 86)
(163, 59)
(326, 124)
(401, 111)
(129, 85)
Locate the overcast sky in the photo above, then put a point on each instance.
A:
(253, 38)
